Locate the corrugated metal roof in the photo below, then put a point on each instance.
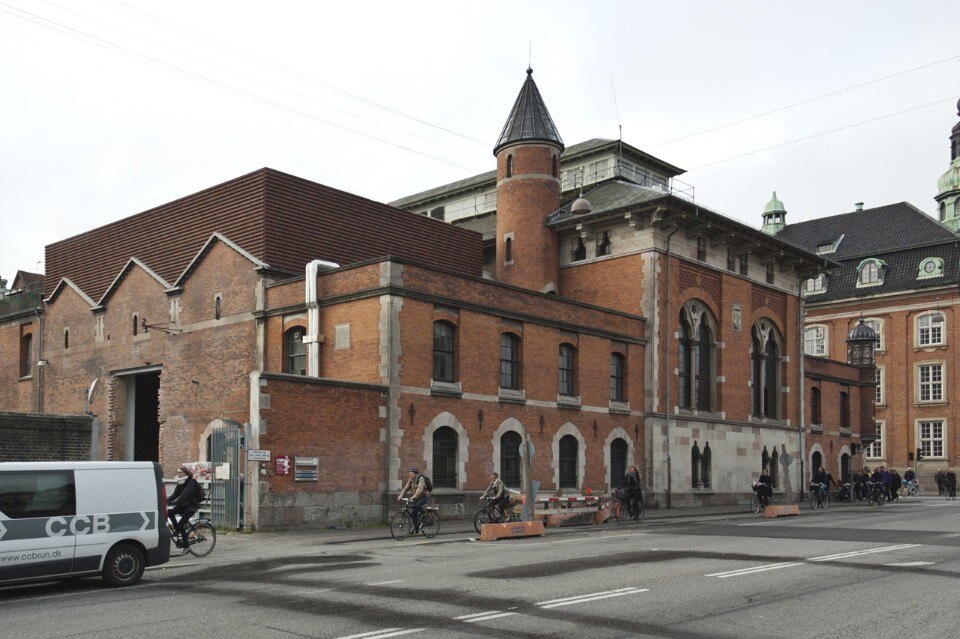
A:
(529, 119)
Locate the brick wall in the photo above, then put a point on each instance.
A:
(32, 437)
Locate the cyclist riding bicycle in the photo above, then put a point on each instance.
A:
(184, 502)
(764, 487)
(820, 481)
(419, 495)
(498, 495)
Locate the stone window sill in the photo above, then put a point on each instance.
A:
(513, 396)
(446, 389)
(622, 408)
(568, 401)
(25, 378)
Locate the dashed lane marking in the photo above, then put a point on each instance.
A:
(569, 601)
(483, 616)
(384, 583)
(909, 564)
(753, 570)
(384, 633)
(858, 553)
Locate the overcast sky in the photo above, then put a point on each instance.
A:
(111, 107)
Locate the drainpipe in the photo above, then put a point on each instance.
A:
(667, 377)
(311, 339)
(39, 362)
(802, 388)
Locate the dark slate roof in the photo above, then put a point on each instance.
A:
(900, 273)
(608, 196)
(485, 225)
(529, 119)
(868, 232)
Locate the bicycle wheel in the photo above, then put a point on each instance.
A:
(755, 504)
(203, 538)
(401, 525)
(813, 500)
(482, 517)
(825, 501)
(430, 524)
(511, 516)
(616, 510)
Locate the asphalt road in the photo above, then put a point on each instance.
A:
(848, 572)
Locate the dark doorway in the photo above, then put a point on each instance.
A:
(816, 461)
(146, 429)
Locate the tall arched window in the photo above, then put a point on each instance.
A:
(569, 453)
(816, 461)
(815, 411)
(443, 351)
(295, 358)
(845, 466)
(136, 325)
(445, 445)
(217, 307)
(509, 166)
(509, 361)
(696, 365)
(66, 338)
(510, 458)
(508, 250)
(765, 376)
(618, 461)
(568, 370)
(26, 355)
(705, 466)
(695, 466)
(844, 411)
(617, 367)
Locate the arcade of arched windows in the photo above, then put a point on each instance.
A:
(697, 357)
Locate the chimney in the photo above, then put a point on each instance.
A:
(859, 206)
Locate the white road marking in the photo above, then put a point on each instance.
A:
(754, 569)
(483, 616)
(857, 553)
(86, 592)
(476, 614)
(569, 601)
(384, 583)
(907, 564)
(569, 541)
(383, 634)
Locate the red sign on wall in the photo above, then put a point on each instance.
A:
(283, 464)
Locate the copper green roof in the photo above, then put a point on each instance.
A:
(529, 120)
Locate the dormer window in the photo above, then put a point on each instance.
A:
(930, 267)
(829, 247)
(815, 285)
(870, 272)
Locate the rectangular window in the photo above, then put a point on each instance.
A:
(603, 244)
(932, 438)
(509, 361)
(744, 264)
(815, 341)
(702, 249)
(930, 329)
(771, 272)
(875, 449)
(731, 260)
(931, 382)
(877, 326)
(814, 285)
(879, 390)
(567, 385)
(28, 494)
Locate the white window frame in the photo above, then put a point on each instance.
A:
(819, 342)
(880, 394)
(877, 325)
(862, 270)
(930, 340)
(930, 434)
(874, 450)
(815, 285)
(932, 377)
(937, 268)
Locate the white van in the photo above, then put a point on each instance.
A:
(66, 519)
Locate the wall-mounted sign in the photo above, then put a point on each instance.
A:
(283, 464)
(258, 455)
(305, 468)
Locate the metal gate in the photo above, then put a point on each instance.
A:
(226, 485)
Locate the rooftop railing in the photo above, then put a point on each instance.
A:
(20, 301)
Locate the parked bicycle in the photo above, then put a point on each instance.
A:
(201, 537)
(490, 514)
(818, 496)
(621, 508)
(401, 524)
(759, 503)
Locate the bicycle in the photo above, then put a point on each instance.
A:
(818, 496)
(201, 537)
(876, 496)
(910, 488)
(758, 504)
(401, 524)
(620, 508)
(489, 514)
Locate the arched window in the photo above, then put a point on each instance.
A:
(705, 469)
(765, 370)
(695, 466)
(509, 361)
(943, 211)
(509, 166)
(508, 250)
(696, 366)
(136, 327)
(617, 367)
(66, 338)
(26, 355)
(815, 412)
(217, 307)
(510, 458)
(844, 411)
(870, 272)
(445, 445)
(618, 461)
(845, 466)
(443, 351)
(569, 452)
(568, 370)
(295, 358)
(816, 461)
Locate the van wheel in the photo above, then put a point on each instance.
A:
(124, 566)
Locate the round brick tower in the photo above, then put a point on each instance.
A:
(528, 190)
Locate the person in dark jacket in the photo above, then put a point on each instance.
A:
(631, 484)
(896, 483)
(184, 502)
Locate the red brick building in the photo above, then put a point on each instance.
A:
(627, 326)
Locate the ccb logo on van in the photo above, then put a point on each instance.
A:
(79, 525)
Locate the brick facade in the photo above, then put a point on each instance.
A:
(33, 437)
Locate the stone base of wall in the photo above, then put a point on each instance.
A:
(28, 437)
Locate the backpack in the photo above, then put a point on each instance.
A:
(201, 493)
(427, 483)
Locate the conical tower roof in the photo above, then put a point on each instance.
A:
(529, 120)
